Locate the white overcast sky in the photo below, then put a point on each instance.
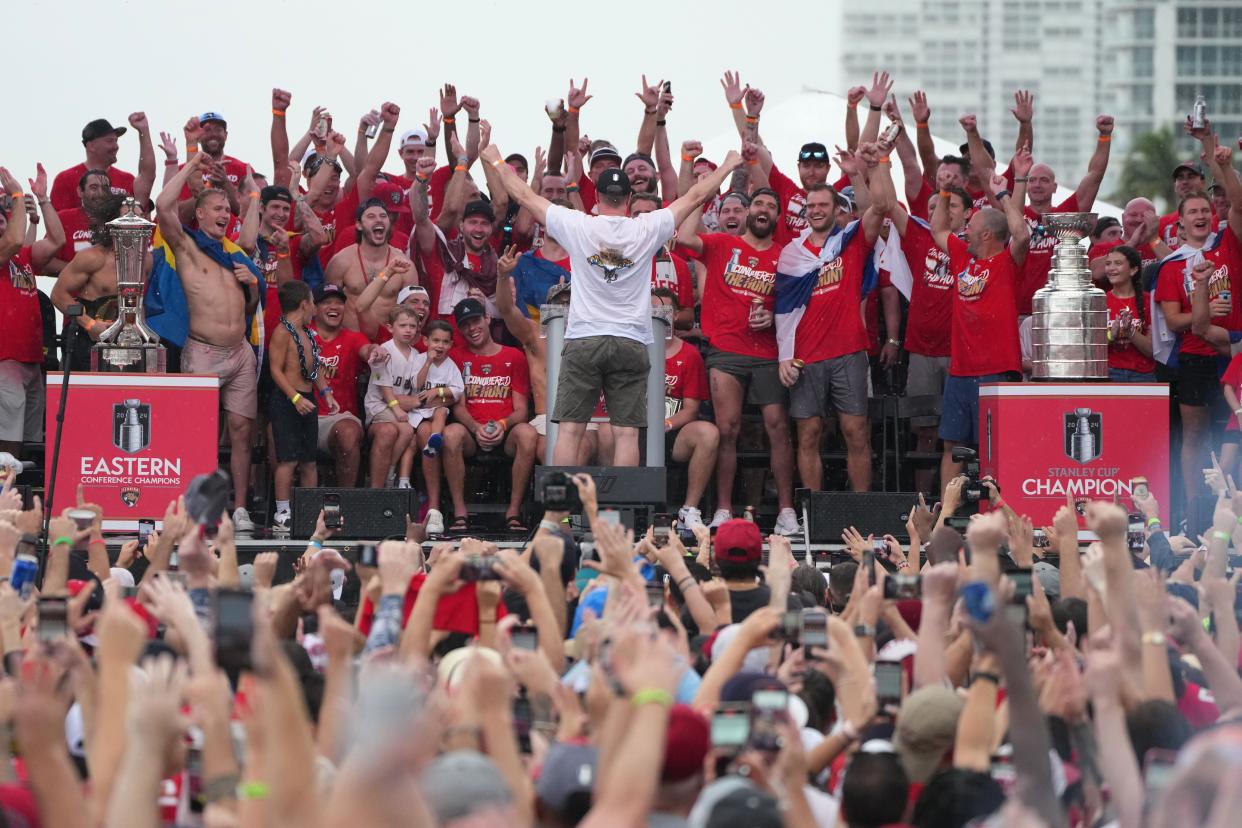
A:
(86, 60)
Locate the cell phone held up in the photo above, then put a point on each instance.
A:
(332, 511)
(234, 628)
(899, 587)
(560, 493)
(477, 568)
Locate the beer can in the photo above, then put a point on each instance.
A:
(22, 576)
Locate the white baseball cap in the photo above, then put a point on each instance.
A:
(414, 136)
(407, 292)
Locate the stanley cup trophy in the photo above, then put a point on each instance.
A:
(128, 344)
(1070, 334)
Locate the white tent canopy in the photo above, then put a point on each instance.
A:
(820, 116)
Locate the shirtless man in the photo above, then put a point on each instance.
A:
(219, 299)
(90, 279)
(371, 258)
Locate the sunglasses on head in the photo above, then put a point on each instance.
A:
(818, 155)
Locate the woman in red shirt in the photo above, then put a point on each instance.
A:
(1129, 329)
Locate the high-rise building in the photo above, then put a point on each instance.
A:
(972, 55)
(1161, 54)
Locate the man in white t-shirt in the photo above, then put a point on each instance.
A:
(609, 324)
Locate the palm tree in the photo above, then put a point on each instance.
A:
(1148, 168)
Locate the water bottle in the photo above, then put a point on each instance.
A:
(490, 430)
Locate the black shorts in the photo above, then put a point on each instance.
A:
(1198, 380)
(296, 435)
(760, 378)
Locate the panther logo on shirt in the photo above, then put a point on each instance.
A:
(610, 261)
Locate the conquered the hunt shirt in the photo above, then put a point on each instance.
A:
(737, 274)
(339, 361)
(832, 324)
(985, 319)
(1175, 283)
(931, 295)
(492, 380)
(685, 378)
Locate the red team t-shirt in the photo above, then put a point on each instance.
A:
(985, 319)
(340, 361)
(671, 272)
(685, 378)
(1168, 228)
(1174, 284)
(491, 381)
(234, 171)
(1039, 256)
(20, 318)
(1233, 378)
(931, 296)
(832, 323)
(1122, 354)
(65, 186)
(792, 220)
(77, 232)
(737, 274)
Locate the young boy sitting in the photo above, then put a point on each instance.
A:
(390, 396)
(293, 358)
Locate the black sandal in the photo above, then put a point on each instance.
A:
(514, 524)
(460, 525)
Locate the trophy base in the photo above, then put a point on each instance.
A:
(143, 359)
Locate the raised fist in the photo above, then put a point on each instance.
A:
(1104, 124)
(280, 99)
(390, 112)
(138, 120)
(969, 123)
(691, 149)
(855, 95)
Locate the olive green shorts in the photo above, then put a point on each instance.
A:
(613, 364)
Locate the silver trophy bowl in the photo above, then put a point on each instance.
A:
(1070, 328)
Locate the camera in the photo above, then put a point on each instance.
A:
(973, 491)
(560, 493)
(888, 681)
(479, 568)
(790, 628)
(814, 629)
(900, 587)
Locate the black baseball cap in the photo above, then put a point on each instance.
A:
(613, 182)
(100, 127)
(274, 192)
(813, 151)
(964, 149)
(467, 309)
(1194, 166)
(479, 207)
(329, 291)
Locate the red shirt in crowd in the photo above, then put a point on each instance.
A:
(985, 318)
(1039, 256)
(65, 192)
(77, 232)
(1233, 378)
(931, 295)
(271, 299)
(919, 206)
(685, 377)
(671, 272)
(1121, 353)
(234, 170)
(792, 220)
(20, 317)
(492, 380)
(1175, 283)
(737, 274)
(1146, 253)
(340, 360)
(832, 322)
(1168, 228)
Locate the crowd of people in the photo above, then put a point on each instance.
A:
(675, 679)
(361, 319)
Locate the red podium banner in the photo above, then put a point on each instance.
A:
(1044, 441)
(133, 441)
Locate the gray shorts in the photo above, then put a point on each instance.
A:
(21, 401)
(760, 378)
(613, 364)
(925, 378)
(838, 384)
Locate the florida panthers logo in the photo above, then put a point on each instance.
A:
(610, 261)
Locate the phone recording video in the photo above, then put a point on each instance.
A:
(332, 511)
(525, 637)
(661, 525)
(730, 730)
(1022, 585)
(234, 625)
(53, 618)
(900, 587)
(145, 528)
(888, 676)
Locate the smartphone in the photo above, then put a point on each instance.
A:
(814, 631)
(768, 708)
(730, 731)
(655, 593)
(1040, 539)
(610, 516)
(234, 625)
(523, 720)
(868, 562)
(479, 568)
(668, 86)
(53, 618)
(1138, 487)
(1022, 585)
(790, 628)
(1136, 533)
(332, 511)
(145, 528)
(195, 795)
(129, 592)
(901, 587)
(525, 637)
(888, 682)
(661, 525)
(368, 555)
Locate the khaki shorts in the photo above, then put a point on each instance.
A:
(540, 425)
(328, 421)
(390, 415)
(236, 367)
(615, 364)
(21, 401)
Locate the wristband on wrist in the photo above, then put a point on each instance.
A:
(661, 122)
(874, 108)
(1003, 194)
(571, 188)
(96, 540)
(393, 403)
(682, 584)
(689, 158)
(652, 695)
(558, 129)
(382, 276)
(573, 110)
(737, 105)
(459, 168)
(649, 112)
(170, 162)
(920, 124)
(903, 565)
(327, 391)
(752, 119)
(17, 195)
(278, 113)
(448, 119)
(1104, 139)
(753, 161)
(255, 196)
(422, 179)
(498, 163)
(282, 256)
(549, 526)
(191, 150)
(473, 120)
(252, 790)
(296, 398)
(668, 424)
(315, 542)
(884, 159)
(63, 539)
(1021, 179)
(1155, 521)
(983, 676)
(1220, 536)
(946, 194)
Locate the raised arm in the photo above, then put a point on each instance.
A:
(449, 107)
(166, 214)
(455, 191)
(1221, 160)
(1024, 111)
(515, 321)
(54, 236)
(1089, 187)
(491, 175)
(15, 231)
(906, 153)
(881, 87)
(650, 98)
(852, 99)
(279, 137)
(921, 112)
(574, 101)
(389, 113)
(940, 221)
(704, 189)
(1019, 231)
(144, 182)
(515, 186)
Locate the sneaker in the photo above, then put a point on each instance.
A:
(241, 520)
(787, 523)
(689, 518)
(720, 517)
(403, 483)
(434, 442)
(435, 522)
(282, 519)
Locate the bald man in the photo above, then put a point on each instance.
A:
(1140, 225)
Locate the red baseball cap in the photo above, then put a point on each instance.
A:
(738, 542)
(392, 196)
(686, 743)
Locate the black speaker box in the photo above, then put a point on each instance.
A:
(871, 513)
(615, 485)
(368, 514)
